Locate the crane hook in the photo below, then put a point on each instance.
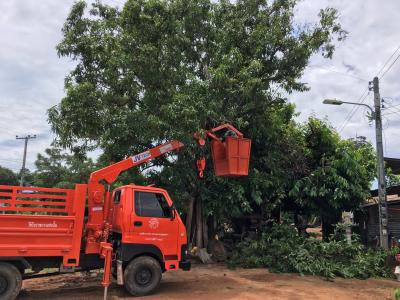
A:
(201, 165)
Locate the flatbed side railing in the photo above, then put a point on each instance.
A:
(35, 200)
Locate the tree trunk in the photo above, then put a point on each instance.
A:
(205, 233)
(199, 224)
(211, 227)
(328, 224)
(189, 219)
(301, 223)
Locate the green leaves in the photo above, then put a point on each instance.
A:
(156, 70)
(281, 249)
(340, 175)
(8, 177)
(56, 168)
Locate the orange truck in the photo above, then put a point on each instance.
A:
(133, 232)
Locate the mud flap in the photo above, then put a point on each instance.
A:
(120, 273)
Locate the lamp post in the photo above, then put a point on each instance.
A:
(339, 102)
(376, 115)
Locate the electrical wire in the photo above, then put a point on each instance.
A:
(384, 139)
(392, 109)
(391, 113)
(362, 97)
(387, 61)
(338, 72)
(393, 106)
(388, 69)
(354, 109)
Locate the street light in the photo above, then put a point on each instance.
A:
(332, 101)
(339, 102)
(376, 115)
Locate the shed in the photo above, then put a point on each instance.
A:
(394, 164)
(368, 218)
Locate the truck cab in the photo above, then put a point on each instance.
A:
(145, 223)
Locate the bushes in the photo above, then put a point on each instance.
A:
(281, 249)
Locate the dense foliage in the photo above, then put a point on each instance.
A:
(338, 174)
(282, 249)
(57, 168)
(156, 70)
(8, 177)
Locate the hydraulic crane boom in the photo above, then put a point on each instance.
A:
(99, 201)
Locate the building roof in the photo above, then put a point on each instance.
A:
(394, 164)
(393, 190)
(392, 196)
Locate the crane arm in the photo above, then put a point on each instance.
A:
(111, 173)
(99, 200)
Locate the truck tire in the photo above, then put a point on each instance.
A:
(10, 281)
(142, 276)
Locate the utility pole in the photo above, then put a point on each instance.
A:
(26, 138)
(377, 116)
(382, 203)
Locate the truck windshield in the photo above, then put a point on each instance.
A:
(148, 204)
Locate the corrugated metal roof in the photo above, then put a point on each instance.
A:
(394, 164)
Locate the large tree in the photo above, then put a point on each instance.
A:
(57, 168)
(338, 175)
(157, 70)
(8, 177)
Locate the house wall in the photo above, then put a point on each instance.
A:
(369, 223)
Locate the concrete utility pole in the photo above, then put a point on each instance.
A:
(26, 138)
(377, 116)
(382, 203)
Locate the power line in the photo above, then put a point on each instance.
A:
(387, 61)
(391, 106)
(338, 72)
(392, 109)
(391, 113)
(384, 140)
(395, 109)
(11, 160)
(354, 109)
(387, 70)
(363, 97)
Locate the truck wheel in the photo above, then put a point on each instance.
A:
(10, 281)
(142, 276)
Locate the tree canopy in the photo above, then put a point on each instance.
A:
(57, 168)
(8, 177)
(156, 70)
(338, 174)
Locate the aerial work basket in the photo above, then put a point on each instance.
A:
(230, 151)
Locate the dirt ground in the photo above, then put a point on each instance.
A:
(215, 282)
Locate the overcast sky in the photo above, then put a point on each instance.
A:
(31, 74)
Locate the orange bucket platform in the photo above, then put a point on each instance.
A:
(231, 157)
(231, 154)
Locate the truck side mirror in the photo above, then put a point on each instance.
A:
(173, 212)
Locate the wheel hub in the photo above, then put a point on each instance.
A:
(3, 285)
(143, 277)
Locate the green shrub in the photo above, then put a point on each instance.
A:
(281, 249)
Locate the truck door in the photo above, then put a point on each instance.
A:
(153, 222)
(117, 210)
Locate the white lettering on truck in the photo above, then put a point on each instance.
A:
(42, 225)
(141, 156)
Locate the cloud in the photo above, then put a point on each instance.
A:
(374, 34)
(32, 76)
